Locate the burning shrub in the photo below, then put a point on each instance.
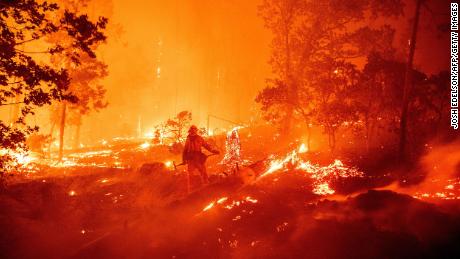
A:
(177, 127)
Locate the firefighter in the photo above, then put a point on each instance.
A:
(192, 155)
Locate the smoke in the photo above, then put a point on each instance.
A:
(442, 162)
(438, 171)
(180, 55)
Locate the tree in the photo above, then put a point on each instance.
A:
(54, 118)
(276, 105)
(429, 105)
(321, 34)
(408, 81)
(379, 100)
(37, 142)
(282, 17)
(25, 24)
(85, 84)
(178, 126)
(378, 95)
(84, 81)
(333, 84)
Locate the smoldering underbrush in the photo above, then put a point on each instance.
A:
(144, 214)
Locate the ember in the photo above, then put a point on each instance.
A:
(224, 203)
(168, 163)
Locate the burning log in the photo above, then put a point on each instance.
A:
(321, 175)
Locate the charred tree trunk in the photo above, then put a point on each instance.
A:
(61, 130)
(408, 81)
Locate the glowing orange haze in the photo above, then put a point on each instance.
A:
(209, 57)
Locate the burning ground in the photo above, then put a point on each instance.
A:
(99, 204)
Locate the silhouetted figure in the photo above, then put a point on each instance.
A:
(192, 155)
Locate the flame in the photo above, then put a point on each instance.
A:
(72, 193)
(303, 149)
(210, 205)
(224, 203)
(249, 199)
(145, 145)
(168, 163)
(278, 164)
(221, 200)
(320, 174)
(149, 134)
(22, 161)
(438, 189)
(90, 154)
(21, 157)
(323, 189)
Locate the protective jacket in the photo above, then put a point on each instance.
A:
(192, 149)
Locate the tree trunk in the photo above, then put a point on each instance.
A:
(15, 111)
(368, 129)
(308, 137)
(287, 124)
(331, 138)
(439, 119)
(61, 131)
(51, 138)
(76, 140)
(333, 141)
(408, 85)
